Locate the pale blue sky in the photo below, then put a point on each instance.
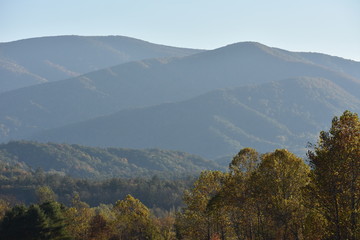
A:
(328, 26)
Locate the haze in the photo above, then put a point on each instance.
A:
(331, 27)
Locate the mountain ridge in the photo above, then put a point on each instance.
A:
(155, 81)
(221, 122)
(37, 60)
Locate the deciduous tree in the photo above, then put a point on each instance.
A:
(335, 161)
(133, 219)
(277, 185)
(198, 219)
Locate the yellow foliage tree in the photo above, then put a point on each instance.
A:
(133, 220)
(200, 219)
(277, 186)
(78, 219)
(336, 177)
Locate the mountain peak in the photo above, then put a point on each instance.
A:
(246, 44)
(256, 49)
(243, 46)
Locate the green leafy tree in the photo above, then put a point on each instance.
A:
(335, 161)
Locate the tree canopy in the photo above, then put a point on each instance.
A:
(335, 161)
(270, 196)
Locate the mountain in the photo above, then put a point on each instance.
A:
(280, 114)
(335, 63)
(38, 60)
(90, 162)
(155, 81)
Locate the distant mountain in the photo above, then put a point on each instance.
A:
(38, 60)
(281, 114)
(334, 63)
(153, 82)
(89, 162)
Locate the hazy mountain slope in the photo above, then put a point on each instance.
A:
(152, 82)
(247, 63)
(338, 64)
(90, 162)
(343, 66)
(282, 114)
(37, 60)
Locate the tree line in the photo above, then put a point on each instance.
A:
(278, 196)
(275, 195)
(27, 187)
(102, 163)
(126, 219)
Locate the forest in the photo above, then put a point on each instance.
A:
(102, 163)
(275, 195)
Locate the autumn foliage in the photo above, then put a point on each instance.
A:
(271, 196)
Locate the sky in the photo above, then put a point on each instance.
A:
(326, 26)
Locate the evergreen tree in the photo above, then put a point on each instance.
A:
(54, 212)
(33, 223)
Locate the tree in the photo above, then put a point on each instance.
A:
(133, 219)
(99, 228)
(241, 207)
(80, 214)
(4, 207)
(166, 224)
(277, 187)
(335, 163)
(200, 219)
(245, 162)
(34, 222)
(13, 223)
(45, 194)
(260, 198)
(56, 225)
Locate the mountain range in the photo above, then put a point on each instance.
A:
(38, 60)
(280, 114)
(210, 103)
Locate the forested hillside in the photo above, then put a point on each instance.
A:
(275, 195)
(153, 82)
(19, 185)
(103, 173)
(281, 114)
(100, 163)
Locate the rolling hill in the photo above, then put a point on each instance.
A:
(25, 111)
(38, 60)
(100, 163)
(280, 114)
